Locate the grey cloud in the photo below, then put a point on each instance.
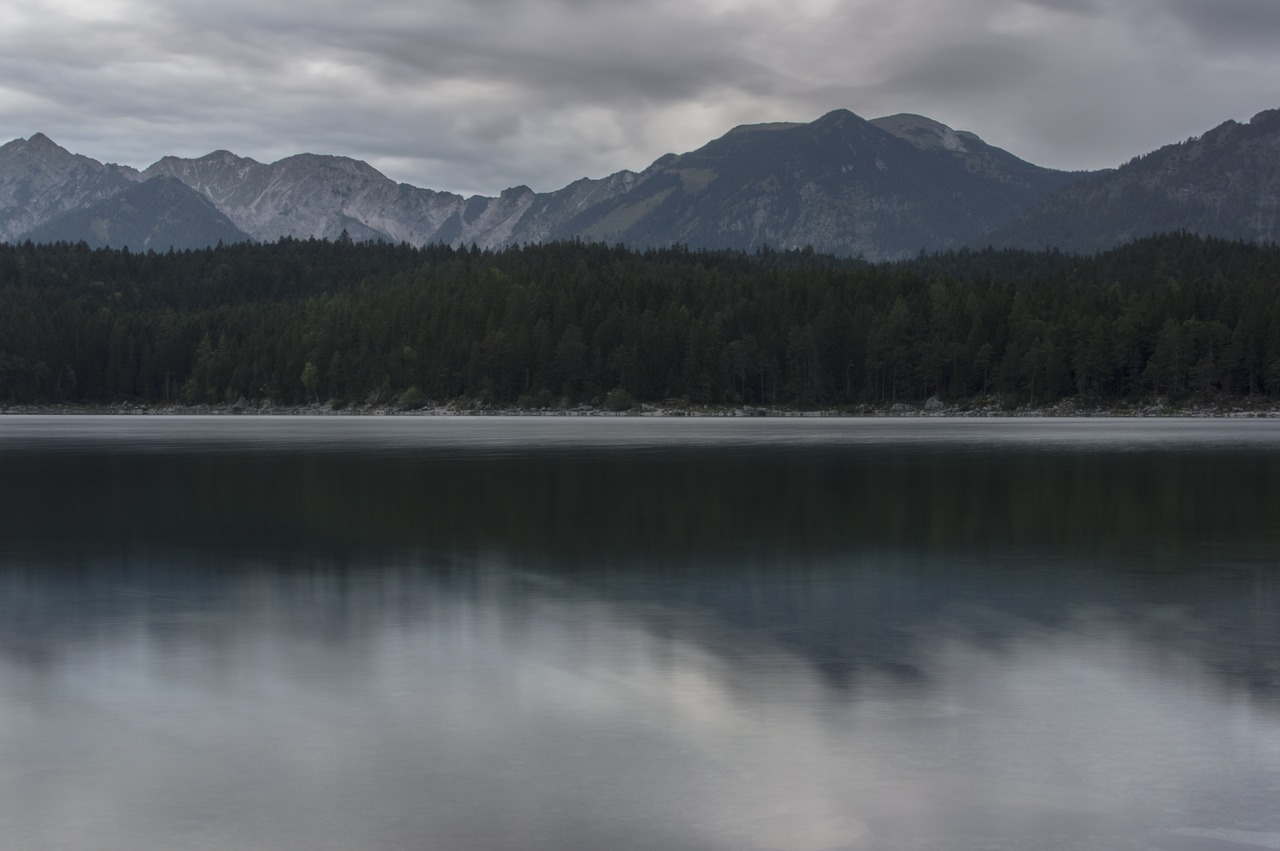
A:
(1079, 7)
(1231, 23)
(613, 47)
(471, 72)
(957, 69)
(484, 94)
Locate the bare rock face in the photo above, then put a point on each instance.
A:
(40, 180)
(925, 133)
(322, 196)
(562, 214)
(313, 196)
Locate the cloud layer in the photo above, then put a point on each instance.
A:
(480, 95)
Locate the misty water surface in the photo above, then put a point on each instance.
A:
(390, 633)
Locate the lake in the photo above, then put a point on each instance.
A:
(264, 633)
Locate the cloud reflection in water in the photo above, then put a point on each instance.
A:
(443, 706)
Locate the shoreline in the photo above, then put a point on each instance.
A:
(982, 408)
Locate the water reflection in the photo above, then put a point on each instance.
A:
(594, 489)
(338, 634)
(487, 703)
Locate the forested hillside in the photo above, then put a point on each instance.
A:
(567, 323)
(1225, 184)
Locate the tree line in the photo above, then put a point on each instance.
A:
(298, 321)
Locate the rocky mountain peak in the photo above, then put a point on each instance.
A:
(223, 157)
(839, 118)
(40, 179)
(839, 183)
(42, 143)
(214, 160)
(324, 163)
(779, 135)
(924, 133)
(38, 149)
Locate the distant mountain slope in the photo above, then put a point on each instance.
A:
(883, 189)
(160, 213)
(840, 184)
(1225, 183)
(40, 180)
(321, 196)
(311, 195)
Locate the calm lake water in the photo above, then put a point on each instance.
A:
(715, 635)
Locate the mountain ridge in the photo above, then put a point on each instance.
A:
(885, 188)
(1224, 183)
(158, 213)
(40, 180)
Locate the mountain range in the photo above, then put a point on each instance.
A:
(1225, 183)
(881, 189)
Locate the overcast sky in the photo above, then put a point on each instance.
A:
(475, 96)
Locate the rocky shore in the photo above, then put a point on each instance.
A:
(933, 407)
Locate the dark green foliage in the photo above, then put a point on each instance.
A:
(611, 505)
(569, 323)
(412, 400)
(619, 400)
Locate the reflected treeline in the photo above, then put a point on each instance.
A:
(50, 607)
(1154, 504)
(871, 615)
(854, 619)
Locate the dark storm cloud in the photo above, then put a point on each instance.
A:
(955, 70)
(1232, 23)
(484, 94)
(498, 89)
